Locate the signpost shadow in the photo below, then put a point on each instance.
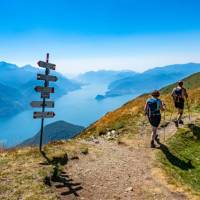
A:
(59, 178)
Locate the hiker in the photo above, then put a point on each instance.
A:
(179, 94)
(152, 110)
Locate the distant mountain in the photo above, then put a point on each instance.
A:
(19, 82)
(11, 101)
(149, 80)
(59, 130)
(103, 76)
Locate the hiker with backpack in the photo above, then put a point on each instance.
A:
(179, 94)
(152, 110)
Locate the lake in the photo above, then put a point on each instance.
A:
(77, 107)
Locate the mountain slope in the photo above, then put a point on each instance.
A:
(11, 101)
(55, 131)
(152, 79)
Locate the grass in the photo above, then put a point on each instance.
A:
(192, 81)
(23, 171)
(181, 157)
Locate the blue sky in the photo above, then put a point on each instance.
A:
(83, 35)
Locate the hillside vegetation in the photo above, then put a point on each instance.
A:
(181, 157)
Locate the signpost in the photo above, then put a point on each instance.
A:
(43, 115)
(46, 77)
(39, 104)
(46, 65)
(44, 89)
(45, 93)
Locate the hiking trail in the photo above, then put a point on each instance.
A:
(114, 171)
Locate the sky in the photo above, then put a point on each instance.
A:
(84, 35)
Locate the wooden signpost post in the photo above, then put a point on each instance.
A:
(45, 93)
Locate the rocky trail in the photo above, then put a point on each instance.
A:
(113, 171)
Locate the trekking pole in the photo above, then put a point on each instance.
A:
(189, 113)
(172, 112)
(143, 127)
(164, 125)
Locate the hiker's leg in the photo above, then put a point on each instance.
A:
(180, 113)
(153, 136)
(154, 132)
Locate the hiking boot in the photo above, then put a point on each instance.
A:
(157, 139)
(176, 123)
(181, 121)
(152, 144)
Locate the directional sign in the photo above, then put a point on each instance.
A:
(39, 104)
(46, 65)
(46, 77)
(45, 95)
(43, 115)
(44, 89)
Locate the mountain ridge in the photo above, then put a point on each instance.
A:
(155, 78)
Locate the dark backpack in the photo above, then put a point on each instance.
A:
(178, 94)
(153, 108)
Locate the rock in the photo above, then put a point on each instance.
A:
(73, 157)
(108, 133)
(113, 132)
(96, 141)
(129, 189)
(109, 138)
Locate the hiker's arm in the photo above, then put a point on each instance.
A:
(145, 109)
(163, 106)
(185, 93)
(173, 94)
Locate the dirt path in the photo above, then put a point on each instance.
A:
(111, 172)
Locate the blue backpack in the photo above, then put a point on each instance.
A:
(153, 106)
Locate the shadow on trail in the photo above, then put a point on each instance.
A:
(175, 160)
(195, 130)
(59, 178)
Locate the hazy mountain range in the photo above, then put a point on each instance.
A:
(103, 76)
(149, 80)
(59, 130)
(17, 83)
(17, 87)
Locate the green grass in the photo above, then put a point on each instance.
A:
(181, 157)
(190, 82)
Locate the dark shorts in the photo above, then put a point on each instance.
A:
(179, 104)
(155, 120)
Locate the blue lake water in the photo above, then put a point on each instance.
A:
(77, 107)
